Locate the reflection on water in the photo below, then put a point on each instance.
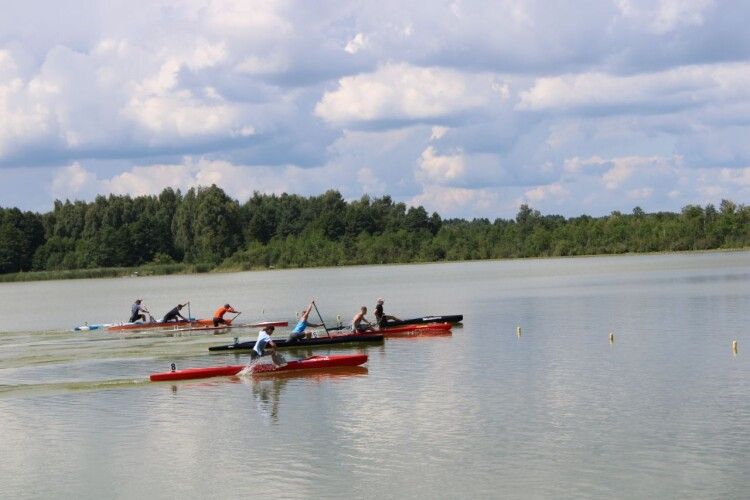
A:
(267, 389)
(559, 411)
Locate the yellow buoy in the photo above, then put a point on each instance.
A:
(518, 331)
(734, 346)
(611, 337)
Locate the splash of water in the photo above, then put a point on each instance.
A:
(276, 359)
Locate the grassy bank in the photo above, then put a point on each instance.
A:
(231, 266)
(107, 272)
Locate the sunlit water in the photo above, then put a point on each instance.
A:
(559, 412)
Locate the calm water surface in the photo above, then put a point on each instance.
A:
(559, 412)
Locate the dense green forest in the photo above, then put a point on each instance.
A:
(205, 229)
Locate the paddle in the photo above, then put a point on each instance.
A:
(150, 317)
(321, 318)
(231, 321)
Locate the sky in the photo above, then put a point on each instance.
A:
(468, 108)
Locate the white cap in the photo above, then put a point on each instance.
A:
(380, 301)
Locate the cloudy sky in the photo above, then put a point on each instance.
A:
(469, 108)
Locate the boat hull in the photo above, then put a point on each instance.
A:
(156, 325)
(311, 363)
(316, 341)
(417, 329)
(450, 318)
(198, 324)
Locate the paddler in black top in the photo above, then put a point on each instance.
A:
(381, 319)
(174, 314)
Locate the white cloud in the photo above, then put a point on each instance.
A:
(618, 174)
(180, 115)
(738, 177)
(641, 193)
(687, 86)
(625, 168)
(207, 55)
(438, 133)
(548, 192)
(577, 165)
(398, 91)
(440, 169)
(663, 16)
(240, 17)
(26, 115)
(369, 181)
(356, 44)
(71, 181)
(263, 65)
(148, 180)
(452, 201)
(501, 89)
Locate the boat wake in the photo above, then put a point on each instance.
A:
(58, 387)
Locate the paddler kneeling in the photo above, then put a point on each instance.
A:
(264, 339)
(299, 331)
(220, 312)
(173, 314)
(138, 312)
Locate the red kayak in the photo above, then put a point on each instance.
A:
(417, 329)
(311, 363)
(413, 330)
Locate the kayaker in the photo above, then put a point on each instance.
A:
(173, 314)
(264, 339)
(359, 321)
(138, 312)
(220, 312)
(380, 317)
(299, 331)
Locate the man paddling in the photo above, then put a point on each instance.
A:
(264, 339)
(381, 319)
(138, 312)
(220, 312)
(360, 324)
(173, 314)
(299, 331)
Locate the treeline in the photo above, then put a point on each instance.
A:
(206, 229)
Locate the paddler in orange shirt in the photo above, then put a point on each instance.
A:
(220, 312)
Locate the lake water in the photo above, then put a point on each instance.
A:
(663, 411)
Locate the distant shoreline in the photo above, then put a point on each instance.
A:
(188, 269)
